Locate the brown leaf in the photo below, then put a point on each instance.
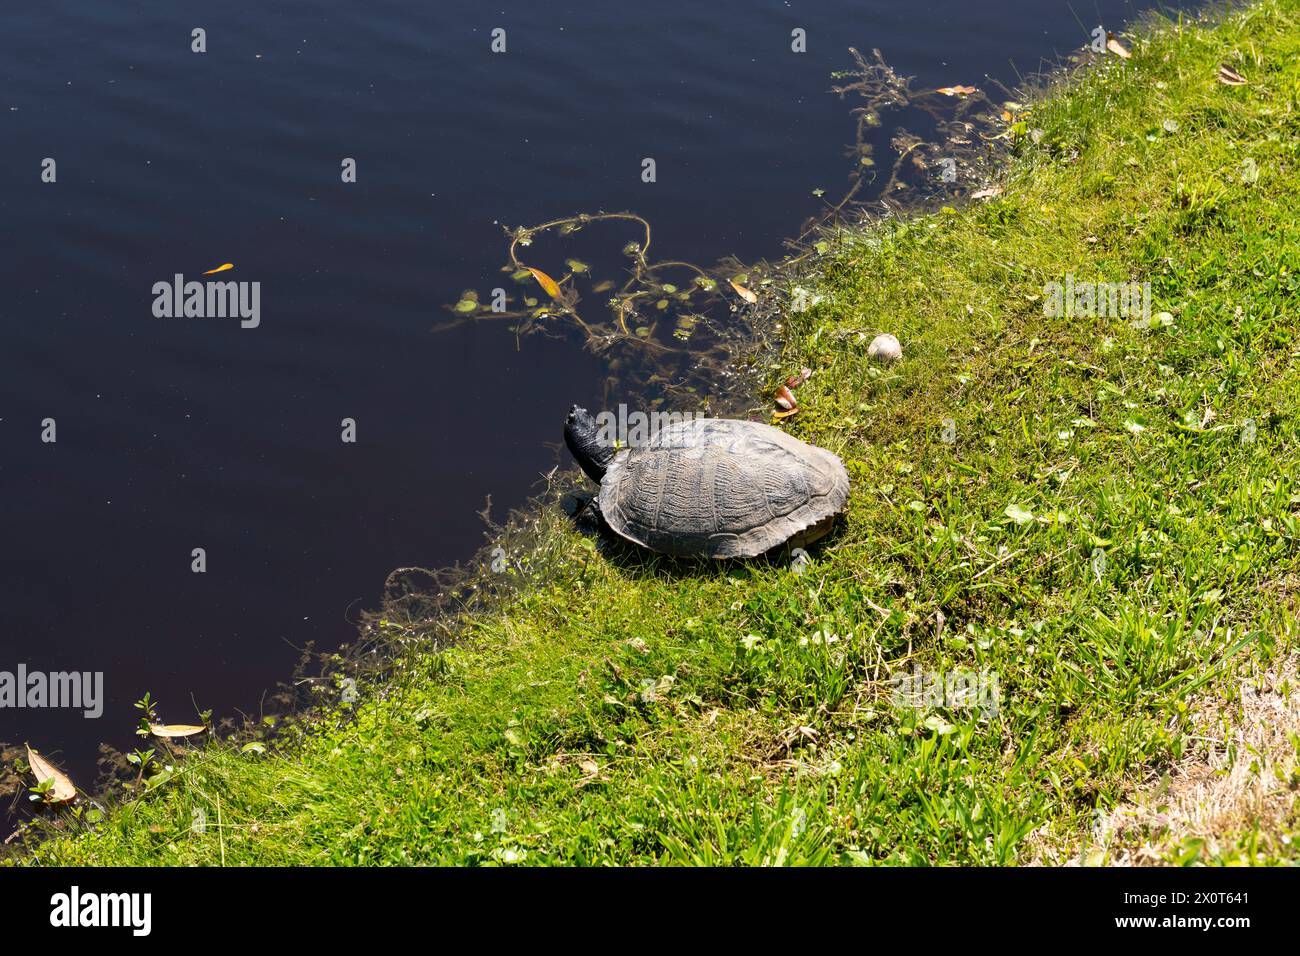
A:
(1114, 46)
(176, 730)
(590, 772)
(743, 292)
(1230, 77)
(785, 399)
(987, 193)
(794, 381)
(956, 90)
(62, 789)
(546, 282)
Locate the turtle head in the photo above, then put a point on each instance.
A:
(582, 435)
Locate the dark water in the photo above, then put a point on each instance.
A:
(176, 434)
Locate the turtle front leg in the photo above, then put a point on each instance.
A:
(589, 518)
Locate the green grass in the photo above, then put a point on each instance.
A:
(771, 734)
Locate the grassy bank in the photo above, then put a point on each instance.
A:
(1106, 517)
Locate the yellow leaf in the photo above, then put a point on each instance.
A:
(1116, 47)
(546, 282)
(175, 730)
(61, 788)
(743, 292)
(221, 268)
(956, 90)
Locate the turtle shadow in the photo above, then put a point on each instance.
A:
(642, 562)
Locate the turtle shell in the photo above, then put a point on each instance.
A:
(724, 488)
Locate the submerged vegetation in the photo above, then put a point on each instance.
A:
(1089, 523)
(680, 334)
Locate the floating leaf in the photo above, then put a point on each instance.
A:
(577, 266)
(61, 788)
(546, 282)
(743, 292)
(176, 730)
(956, 90)
(221, 268)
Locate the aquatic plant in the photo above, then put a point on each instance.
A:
(677, 332)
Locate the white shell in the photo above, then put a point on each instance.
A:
(885, 347)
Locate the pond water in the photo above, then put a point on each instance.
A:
(174, 434)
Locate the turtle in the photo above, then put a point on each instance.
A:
(719, 487)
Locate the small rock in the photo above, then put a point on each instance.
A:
(885, 347)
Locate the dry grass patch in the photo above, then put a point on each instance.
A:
(1234, 801)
